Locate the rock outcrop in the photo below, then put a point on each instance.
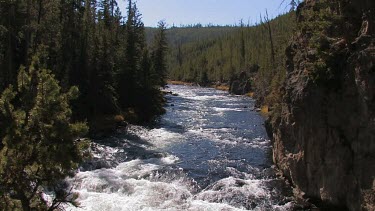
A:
(241, 84)
(324, 132)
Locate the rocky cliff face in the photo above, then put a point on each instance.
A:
(240, 85)
(324, 132)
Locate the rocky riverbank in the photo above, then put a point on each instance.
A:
(324, 130)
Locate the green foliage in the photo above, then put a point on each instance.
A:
(320, 24)
(187, 34)
(88, 44)
(38, 143)
(141, 73)
(50, 49)
(158, 54)
(231, 51)
(130, 70)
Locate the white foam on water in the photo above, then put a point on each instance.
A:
(286, 207)
(260, 143)
(125, 187)
(200, 205)
(162, 137)
(254, 187)
(204, 133)
(206, 97)
(134, 185)
(157, 138)
(217, 109)
(115, 189)
(234, 191)
(238, 174)
(102, 151)
(156, 184)
(224, 136)
(140, 195)
(146, 195)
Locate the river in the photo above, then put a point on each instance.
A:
(210, 151)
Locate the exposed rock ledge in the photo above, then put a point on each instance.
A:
(324, 134)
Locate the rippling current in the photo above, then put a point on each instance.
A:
(209, 151)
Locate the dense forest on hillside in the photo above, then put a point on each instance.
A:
(72, 69)
(62, 62)
(221, 54)
(186, 34)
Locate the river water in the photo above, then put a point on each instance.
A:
(209, 151)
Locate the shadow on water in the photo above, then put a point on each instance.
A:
(208, 152)
(117, 148)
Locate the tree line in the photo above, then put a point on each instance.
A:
(65, 67)
(257, 50)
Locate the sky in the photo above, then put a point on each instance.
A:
(217, 12)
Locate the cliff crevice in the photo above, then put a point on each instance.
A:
(324, 132)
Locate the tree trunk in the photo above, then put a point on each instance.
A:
(9, 73)
(37, 35)
(24, 201)
(271, 39)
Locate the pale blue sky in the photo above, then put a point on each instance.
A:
(222, 12)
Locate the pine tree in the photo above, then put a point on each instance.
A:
(104, 63)
(14, 28)
(86, 44)
(242, 46)
(160, 47)
(129, 73)
(38, 143)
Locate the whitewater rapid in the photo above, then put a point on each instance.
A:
(209, 151)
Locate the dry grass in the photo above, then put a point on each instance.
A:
(264, 110)
(250, 94)
(180, 83)
(222, 87)
(119, 118)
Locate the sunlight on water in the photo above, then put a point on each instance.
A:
(208, 152)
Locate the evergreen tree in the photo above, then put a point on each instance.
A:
(130, 70)
(85, 44)
(38, 143)
(229, 52)
(158, 54)
(148, 78)
(102, 83)
(14, 29)
(242, 46)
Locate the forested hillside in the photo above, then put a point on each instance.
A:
(182, 35)
(220, 57)
(62, 62)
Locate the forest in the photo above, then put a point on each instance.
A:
(75, 70)
(68, 68)
(72, 68)
(218, 55)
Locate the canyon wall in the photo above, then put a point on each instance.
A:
(324, 128)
